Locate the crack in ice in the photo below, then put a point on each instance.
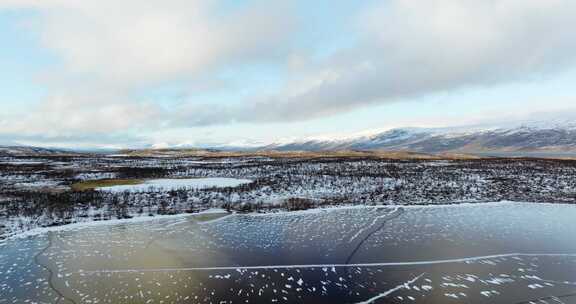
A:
(374, 221)
(405, 285)
(415, 263)
(385, 219)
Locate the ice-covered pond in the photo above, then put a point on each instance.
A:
(486, 253)
(167, 184)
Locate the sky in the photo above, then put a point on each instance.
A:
(134, 73)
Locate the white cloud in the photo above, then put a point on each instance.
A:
(63, 116)
(445, 43)
(138, 43)
(410, 48)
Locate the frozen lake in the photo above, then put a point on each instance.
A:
(183, 183)
(485, 253)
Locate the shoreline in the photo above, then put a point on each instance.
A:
(92, 223)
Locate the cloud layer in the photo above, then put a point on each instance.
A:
(410, 48)
(402, 49)
(136, 43)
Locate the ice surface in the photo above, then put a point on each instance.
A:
(519, 252)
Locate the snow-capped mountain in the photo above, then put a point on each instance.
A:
(522, 137)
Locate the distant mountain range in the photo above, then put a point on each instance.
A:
(27, 150)
(527, 138)
(516, 139)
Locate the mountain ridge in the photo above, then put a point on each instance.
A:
(525, 137)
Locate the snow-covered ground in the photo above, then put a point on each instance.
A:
(166, 184)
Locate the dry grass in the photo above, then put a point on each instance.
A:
(93, 184)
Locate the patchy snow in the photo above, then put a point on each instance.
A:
(96, 175)
(38, 184)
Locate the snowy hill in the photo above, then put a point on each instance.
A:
(524, 137)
